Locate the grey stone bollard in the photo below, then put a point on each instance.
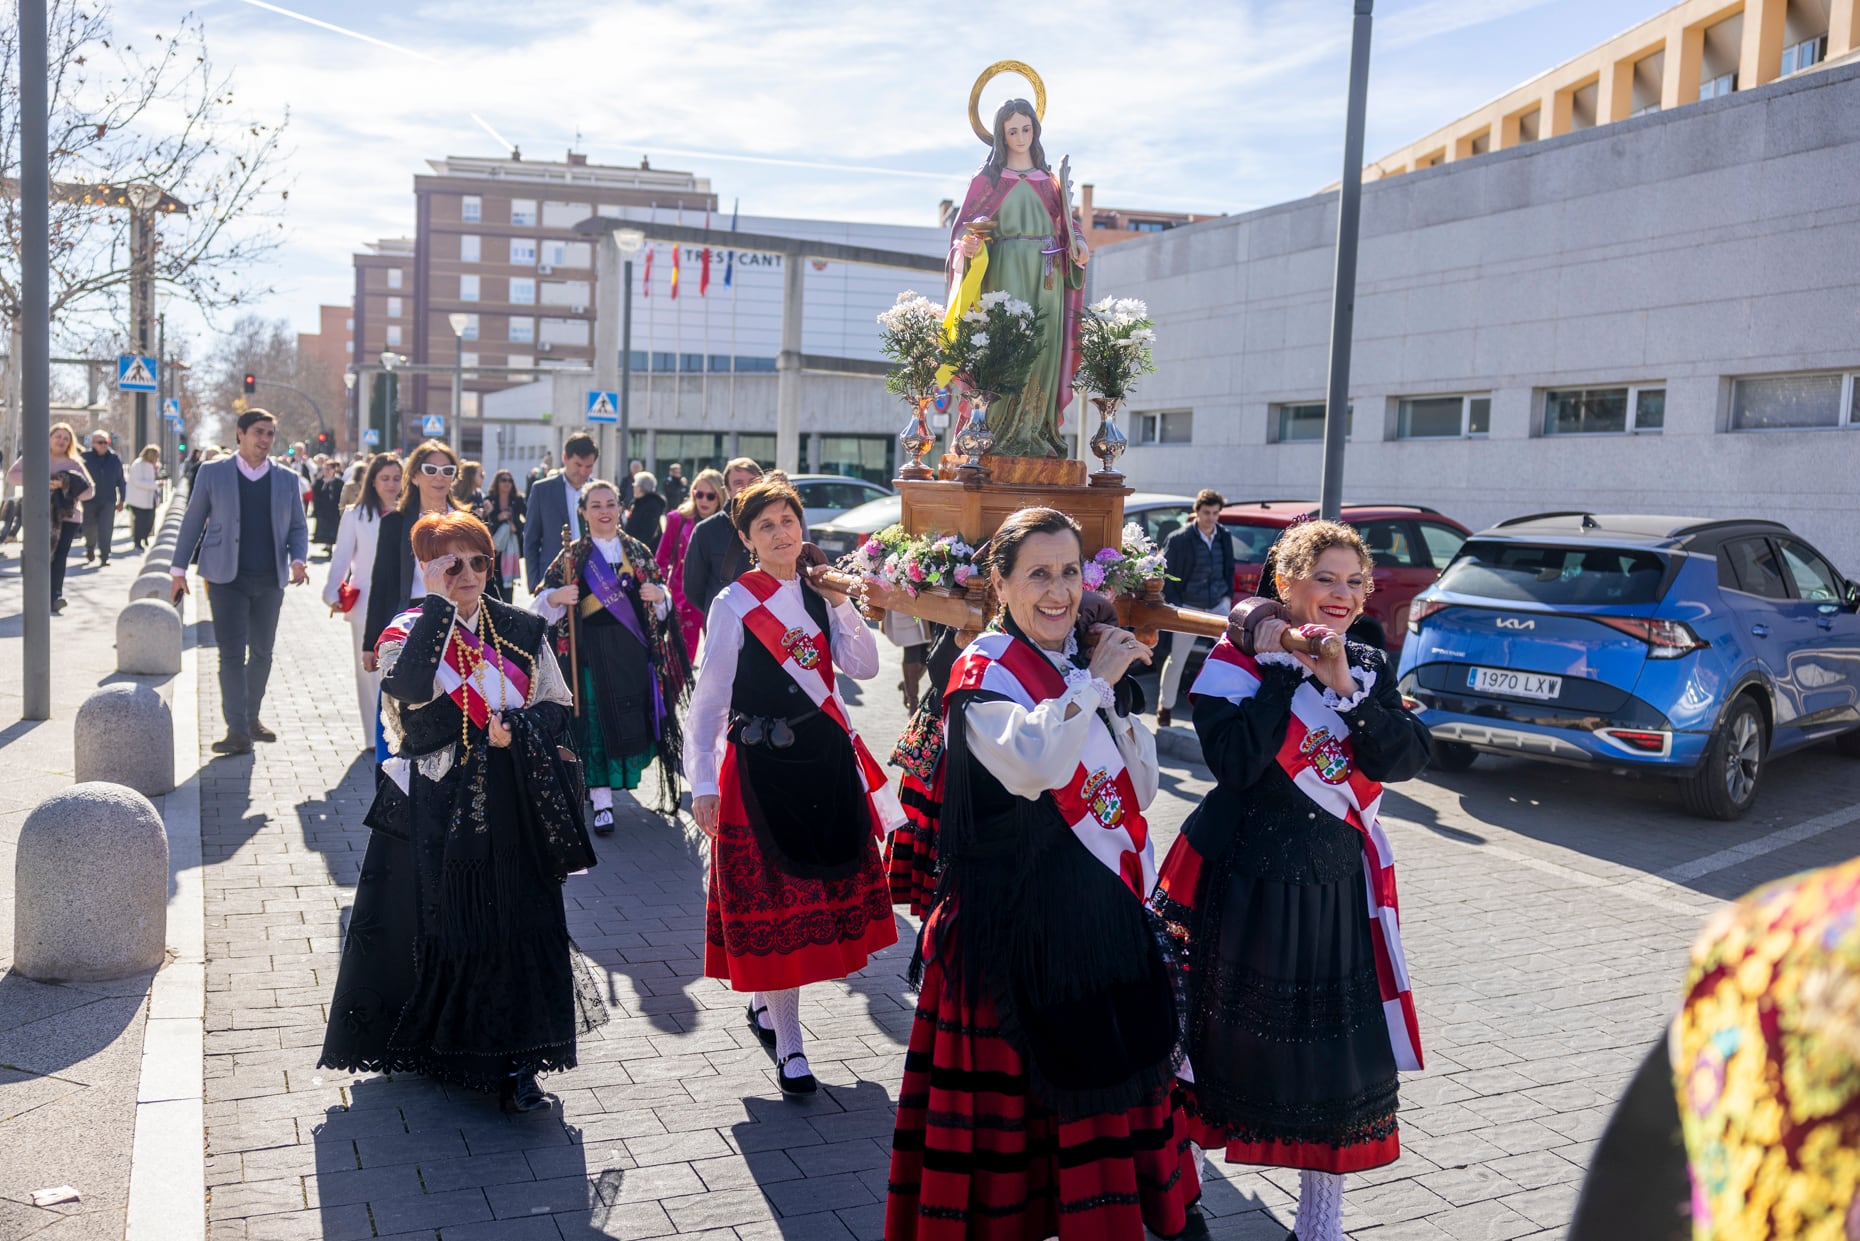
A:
(125, 734)
(148, 639)
(90, 886)
(152, 584)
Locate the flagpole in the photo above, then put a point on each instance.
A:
(678, 323)
(704, 295)
(652, 330)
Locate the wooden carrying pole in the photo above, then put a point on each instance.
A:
(574, 623)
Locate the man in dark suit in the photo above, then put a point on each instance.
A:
(553, 504)
(247, 518)
(715, 557)
(1199, 560)
(106, 475)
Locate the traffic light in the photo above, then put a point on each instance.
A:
(251, 383)
(324, 441)
(180, 443)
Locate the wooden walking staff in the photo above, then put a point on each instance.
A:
(574, 618)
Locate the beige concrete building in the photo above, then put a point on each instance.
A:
(1697, 50)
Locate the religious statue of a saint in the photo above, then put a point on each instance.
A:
(1019, 213)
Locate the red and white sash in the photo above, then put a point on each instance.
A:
(499, 684)
(780, 621)
(1321, 760)
(1098, 801)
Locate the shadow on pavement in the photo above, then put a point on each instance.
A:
(821, 1162)
(46, 1027)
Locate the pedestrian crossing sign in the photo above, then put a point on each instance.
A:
(603, 407)
(172, 408)
(371, 438)
(135, 373)
(432, 425)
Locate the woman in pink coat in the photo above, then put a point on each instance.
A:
(706, 498)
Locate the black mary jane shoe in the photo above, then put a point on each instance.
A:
(522, 1093)
(603, 822)
(804, 1084)
(762, 1032)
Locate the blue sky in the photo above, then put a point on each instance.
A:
(1213, 106)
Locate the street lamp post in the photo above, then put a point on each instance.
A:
(348, 387)
(143, 198)
(392, 435)
(1343, 290)
(459, 322)
(629, 240)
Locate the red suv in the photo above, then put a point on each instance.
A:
(1410, 544)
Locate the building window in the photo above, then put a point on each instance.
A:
(1305, 421)
(471, 328)
(523, 251)
(523, 212)
(1443, 417)
(471, 209)
(470, 248)
(393, 308)
(1147, 226)
(393, 336)
(467, 359)
(1604, 411)
(523, 331)
(394, 277)
(1164, 426)
(1804, 55)
(468, 288)
(1794, 402)
(1713, 88)
(522, 291)
(520, 359)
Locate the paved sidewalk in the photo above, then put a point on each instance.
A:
(70, 1053)
(1546, 954)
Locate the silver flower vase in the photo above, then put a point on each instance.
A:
(1108, 442)
(976, 439)
(917, 439)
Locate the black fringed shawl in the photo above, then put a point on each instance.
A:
(671, 662)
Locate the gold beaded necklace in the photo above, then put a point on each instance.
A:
(471, 662)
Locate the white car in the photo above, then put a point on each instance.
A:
(826, 496)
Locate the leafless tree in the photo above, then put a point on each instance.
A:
(291, 384)
(122, 116)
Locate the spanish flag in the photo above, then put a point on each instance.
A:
(675, 250)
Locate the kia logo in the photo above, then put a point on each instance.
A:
(1514, 622)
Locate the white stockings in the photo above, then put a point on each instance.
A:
(603, 799)
(1320, 1207)
(785, 1016)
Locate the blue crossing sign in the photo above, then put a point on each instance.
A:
(603, 407)
(432, 425)
(371, 438)
(135, 373)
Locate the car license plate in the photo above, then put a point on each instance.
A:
(1514, 684)
(833, 544)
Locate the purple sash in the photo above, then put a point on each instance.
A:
(611, 592)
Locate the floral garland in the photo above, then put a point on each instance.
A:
(1125, 570)
(897, 560)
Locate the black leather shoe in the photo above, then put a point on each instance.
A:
(233, 743)
(804, 1084)
(762, 1032)
(603, 822)
(261, 733)
(521, 1093)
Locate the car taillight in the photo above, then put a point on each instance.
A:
(1420, 610)
(1665, 639)
(1645, 742)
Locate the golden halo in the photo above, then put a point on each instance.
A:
(988, 75)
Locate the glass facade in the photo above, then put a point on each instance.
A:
(1786, 402)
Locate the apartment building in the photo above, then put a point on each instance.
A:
(1653, 316)
(1695, 51)
(383, 293)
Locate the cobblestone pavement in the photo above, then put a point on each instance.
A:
(1547, 917)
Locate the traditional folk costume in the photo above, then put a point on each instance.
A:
(1039, 1094)
(1281, 894)
(910, 852)
(634, 669)
(797, 892)
(458, 962)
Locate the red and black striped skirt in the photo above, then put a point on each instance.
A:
(910, 854)
(976, 1158)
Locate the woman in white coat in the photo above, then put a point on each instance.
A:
(353, 560)
(142, 493)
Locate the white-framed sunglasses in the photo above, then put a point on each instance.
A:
(438, 471)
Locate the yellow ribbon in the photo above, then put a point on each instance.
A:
(962, 295)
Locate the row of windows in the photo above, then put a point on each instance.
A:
(530, 251)
(524, 213)
(1758, 403)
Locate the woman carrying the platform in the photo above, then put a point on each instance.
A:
(612, 619)
(1281, 888)
(458, 962)
(1039, 1095)
(791, 799)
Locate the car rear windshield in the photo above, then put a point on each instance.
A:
(1556, 575)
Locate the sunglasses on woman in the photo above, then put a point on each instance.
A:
(478, 564)
(438, 471)
(703, 495)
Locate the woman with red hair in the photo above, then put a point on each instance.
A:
(458, 962)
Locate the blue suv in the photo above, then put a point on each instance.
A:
(1675, 646)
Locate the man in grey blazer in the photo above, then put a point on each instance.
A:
(552, 505)
(246, 516)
